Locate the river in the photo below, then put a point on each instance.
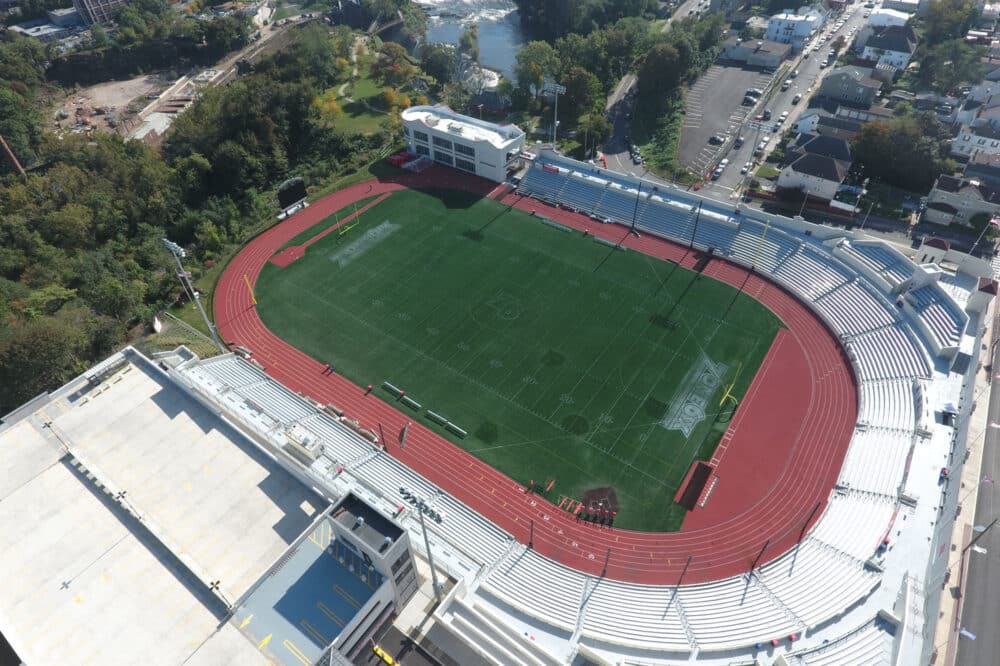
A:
(500, 36)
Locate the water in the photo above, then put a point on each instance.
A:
(500, 36)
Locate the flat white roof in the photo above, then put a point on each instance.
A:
(112, 578)
(443, 119)
(83, 581)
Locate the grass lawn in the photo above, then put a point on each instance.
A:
(361, 116)
(562, 357)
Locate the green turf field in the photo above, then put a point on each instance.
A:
(563, 358)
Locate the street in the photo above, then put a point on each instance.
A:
(982, 585)
(731, 118)
(806, 83)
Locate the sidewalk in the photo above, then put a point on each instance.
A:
(953, 588)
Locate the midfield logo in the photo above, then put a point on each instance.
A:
(687, 408)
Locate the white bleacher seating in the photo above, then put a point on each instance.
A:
(812, 275)
(888, 404)
(731, 612)
(460, 526)
(653, 616)
(538, 587)
(854, 309)
(876, 460)
(854, 524)
(817, 583)
(944, 319)
(879, 259)
(888, 353)
(233, 371)
(281, 403)
(869, 645)
(765, 251)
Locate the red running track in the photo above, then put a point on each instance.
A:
(776, 465)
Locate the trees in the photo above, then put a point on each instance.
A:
(550, 19)
(438, 60)
(661, 69)
(908, 151)
(947, 19)
(20, 127)
(468, 42)
(949, 64)
(535, 61)
(393, 65)
(582, 90)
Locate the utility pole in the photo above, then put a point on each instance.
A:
(185, 277)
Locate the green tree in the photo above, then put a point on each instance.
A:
(908, 151)
(595, 128)
(535, 61)
(438, 61)
(99, 36)
(661, 70)
(582, 90)
(468, 42)
(20, 127)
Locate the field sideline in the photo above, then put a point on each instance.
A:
(563, 358)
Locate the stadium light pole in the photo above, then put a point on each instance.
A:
(556, 90)
(430, 557)
(185, 277)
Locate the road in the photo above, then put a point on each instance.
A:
(619, 108)
(806, 83)
(981, 608)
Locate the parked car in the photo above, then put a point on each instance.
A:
(797, 98)
(776, 127)
(746, 168)
(786, 84)
(749, 101)
(716, 140)
(739, 142)
(783, 117)
(794, 74)
(767, 114)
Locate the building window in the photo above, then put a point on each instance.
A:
(443, 158)
(465, 164)
(420, 136)
(421, 149)
(442, 143)
(400, 561)
(465, 150)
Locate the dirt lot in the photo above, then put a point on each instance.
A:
(106, 106)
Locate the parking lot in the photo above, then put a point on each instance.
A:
(713, 106)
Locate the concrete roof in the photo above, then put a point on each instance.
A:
(158, 497)
(462, 126)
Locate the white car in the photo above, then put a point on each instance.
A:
(746, 168)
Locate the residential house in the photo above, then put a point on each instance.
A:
(973, 140)
(823, 124)
(955, 200)
(985, 168)
(756, 53)
(893, 45)
(815, 165)
(794, 29)
(880, 18)
(850, 85)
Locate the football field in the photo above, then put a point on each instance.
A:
(561, 357)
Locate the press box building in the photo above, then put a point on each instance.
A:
(477, 146)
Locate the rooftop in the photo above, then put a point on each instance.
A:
(467, 127)
(170, 511)
(373, 529)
